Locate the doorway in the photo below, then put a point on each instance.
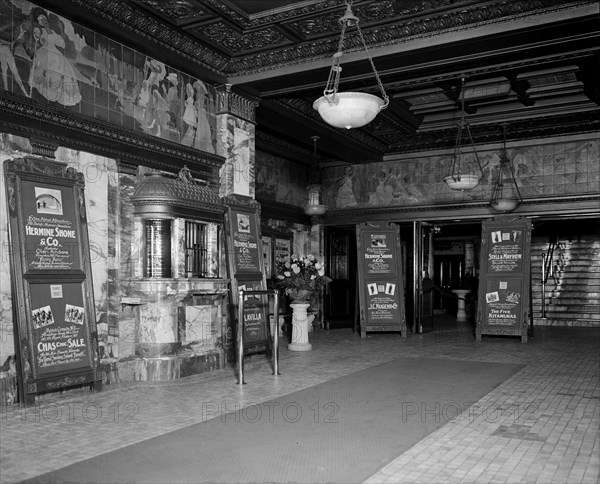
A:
(447, 275)
(340, 293)
(449, 251)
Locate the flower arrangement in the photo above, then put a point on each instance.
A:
(301, 277)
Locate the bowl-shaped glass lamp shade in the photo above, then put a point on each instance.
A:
(505, 205)
(315, 209)
(462, 182)
(349, 109)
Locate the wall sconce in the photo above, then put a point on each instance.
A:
(314, 207)
(456, 179)
(349, 109)
(506, 195)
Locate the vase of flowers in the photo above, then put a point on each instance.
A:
(302, 278)
(299, 295)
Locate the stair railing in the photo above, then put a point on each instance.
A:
(549, 269)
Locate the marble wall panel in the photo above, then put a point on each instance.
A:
(158, 323)
(7, 347)
(99, 173)
(201, 325)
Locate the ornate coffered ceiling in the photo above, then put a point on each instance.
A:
(532, 63)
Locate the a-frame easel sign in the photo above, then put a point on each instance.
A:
(51, 277)
(245, 264)
(504, 277)
(380, 285)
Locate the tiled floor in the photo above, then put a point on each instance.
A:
(540, 426)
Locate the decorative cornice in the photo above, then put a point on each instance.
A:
(120, 13)
(229, 102)
(254, 21)
(433, 22)
(420, 21)
(177, 9)
(68, 128)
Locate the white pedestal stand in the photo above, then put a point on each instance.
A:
(461, 314)
(300, 323)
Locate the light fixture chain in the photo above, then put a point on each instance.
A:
(386, 99)
(331, 88)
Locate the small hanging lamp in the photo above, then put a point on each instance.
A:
(457, 179)
(314, 207)
(349, 109)
(506, 196)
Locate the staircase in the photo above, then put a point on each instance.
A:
(571, 270)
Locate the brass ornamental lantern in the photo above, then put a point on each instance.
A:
(314, 207)
(349, 109)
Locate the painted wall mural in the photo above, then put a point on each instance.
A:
(48, 58)
(553, 169)
(280, 180)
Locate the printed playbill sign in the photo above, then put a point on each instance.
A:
(379, 253)
(382, 302)
(505, 252)
(381, 292)
(246, 269)
(245, 242)
(55, 324)
(255, 323)
(60, 339)
(504, 278)
(50, 228)
(503, 302)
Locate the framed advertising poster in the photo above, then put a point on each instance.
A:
(504, 278)
(255, 314)
(283, 252)
(380, 284)
(55, 324)
(267, 246)
(245, 242)
(246, 266)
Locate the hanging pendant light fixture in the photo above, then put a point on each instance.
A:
(506, 195)
(349, 109)
(314, 207)
(457, 179)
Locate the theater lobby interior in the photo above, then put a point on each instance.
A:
(161, 161)
(376, 410)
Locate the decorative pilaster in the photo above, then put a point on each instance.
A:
(236, 142)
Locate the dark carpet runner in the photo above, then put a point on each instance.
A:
(341, 431)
